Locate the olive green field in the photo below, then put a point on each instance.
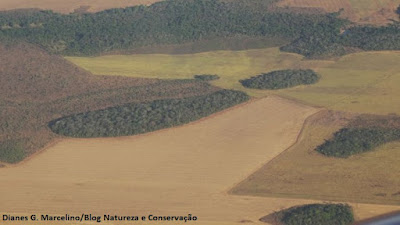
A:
(366, 82)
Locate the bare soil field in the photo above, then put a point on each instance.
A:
(176, 171)
(71, 5)
(301, 172)
(360, 11)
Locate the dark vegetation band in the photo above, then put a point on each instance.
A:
(314, 214)
(351, 141)
(281, 79)
(182, 21)
(140, 118)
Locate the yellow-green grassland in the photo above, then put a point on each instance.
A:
(366, 82)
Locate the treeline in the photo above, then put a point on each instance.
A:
(281, 79)
(373, 38)
(166, 22)
(334, 43)
(183, 21)
(140, 118)
(317, 214)
(355, 140)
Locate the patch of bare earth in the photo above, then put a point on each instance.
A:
(367, 12)
(72, 5)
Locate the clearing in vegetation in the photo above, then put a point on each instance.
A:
(312, 214)
(281, 79)
(362, 82)
(359, 11)
(302, 172)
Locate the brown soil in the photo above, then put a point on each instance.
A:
(301, 172)
(371, 12)
(36, 87)
(176, 171)
(69, 6)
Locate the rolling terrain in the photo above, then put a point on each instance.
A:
(164, 69)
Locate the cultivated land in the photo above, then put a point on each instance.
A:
(301, 172)
(71, 5)
(231, 66)
(158, 173)
(37, 87)
(360, 11)
(366, 82)
(181, 170)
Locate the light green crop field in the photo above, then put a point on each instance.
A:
(367, 82)
(231, 66)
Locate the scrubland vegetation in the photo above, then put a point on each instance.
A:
(281, 79)
(11, 151)
(317, 214)
(145, 117)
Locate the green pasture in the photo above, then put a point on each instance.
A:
(367, 82)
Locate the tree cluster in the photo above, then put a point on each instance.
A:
(281, 79)
(206, 77)
(350, 141)
(317, 214)
(140, 118)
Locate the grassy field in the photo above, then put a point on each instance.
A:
(364, 82)
(360, 11)
(231, 66)
(367, 82)
(301, 172)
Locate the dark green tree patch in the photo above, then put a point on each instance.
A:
(206, 77)
(281, 79)
(137, 118)
(166, 22)
(313, 214)
(350, 141)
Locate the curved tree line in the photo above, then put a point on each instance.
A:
(281, 79)
(350, 141)
(140, 118)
